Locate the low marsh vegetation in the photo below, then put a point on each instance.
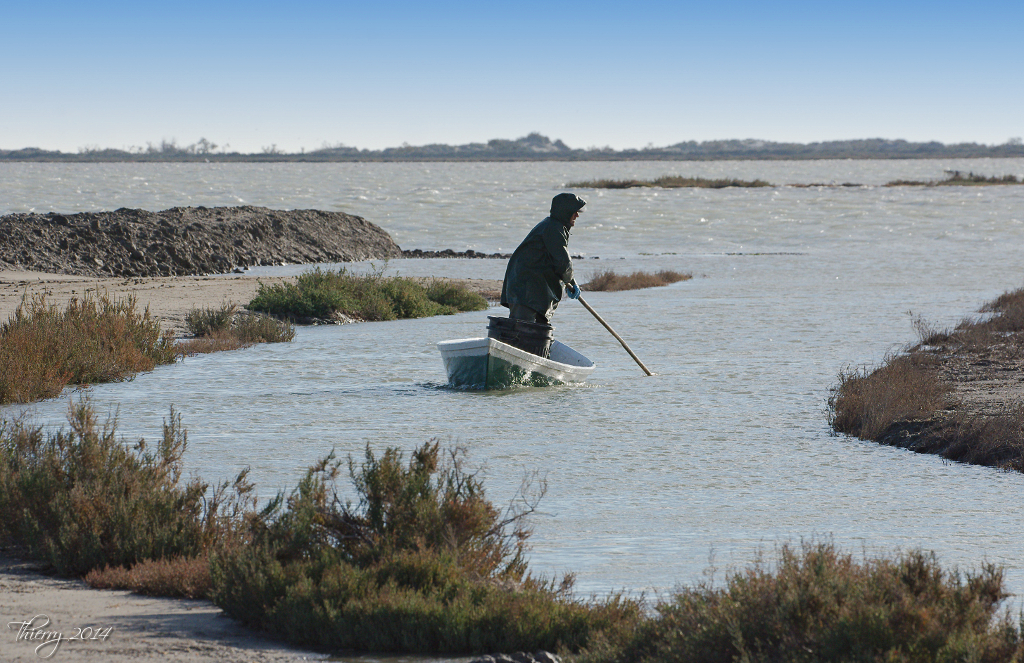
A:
(958, 178)
(44, 348)
(227, 328)
(423, 562)
(326, 294)
(910, 398)
(669, 182)
(608, 280)
(819, 604)
(80, 498)
(95, 339)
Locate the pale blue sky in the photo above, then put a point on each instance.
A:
(377, 74)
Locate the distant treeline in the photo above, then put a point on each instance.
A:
(536, 147)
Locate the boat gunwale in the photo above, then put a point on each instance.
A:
(522, 356)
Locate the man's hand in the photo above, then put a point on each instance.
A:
(572, 290)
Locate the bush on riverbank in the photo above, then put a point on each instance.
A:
(818, 604)
(326, 294)
(80, 499)
(608, 280)
(227, 328)
(669, 182)
(44, 348)
(423, 563)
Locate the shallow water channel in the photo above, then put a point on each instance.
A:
(725, 451)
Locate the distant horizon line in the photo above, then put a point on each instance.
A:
(537, 147)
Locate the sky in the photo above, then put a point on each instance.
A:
(371, 74)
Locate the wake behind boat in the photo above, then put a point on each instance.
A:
(487, 363)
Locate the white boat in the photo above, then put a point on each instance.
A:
(487, 363)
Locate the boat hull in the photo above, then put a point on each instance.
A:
(486, 363)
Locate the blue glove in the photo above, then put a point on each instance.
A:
(572, 290)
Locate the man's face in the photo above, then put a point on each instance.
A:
(572, 219)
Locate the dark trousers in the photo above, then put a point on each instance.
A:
(520, 312)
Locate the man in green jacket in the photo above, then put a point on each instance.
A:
(541, 264)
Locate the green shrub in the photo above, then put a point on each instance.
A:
(44, 348)
(324, 294)
(80, 499)
(818, 604)
(423, 563)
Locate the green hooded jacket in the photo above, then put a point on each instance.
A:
(541, 263)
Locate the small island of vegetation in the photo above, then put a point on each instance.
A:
(325, 295)
(669, 182)
(957, 178)
(608, 280)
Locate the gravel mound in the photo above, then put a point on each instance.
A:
(185, 240)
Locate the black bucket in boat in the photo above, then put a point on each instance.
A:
(533, 337)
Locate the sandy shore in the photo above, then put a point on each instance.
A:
(169, 298)
(142, 628)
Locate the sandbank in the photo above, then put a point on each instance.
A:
(169, 298)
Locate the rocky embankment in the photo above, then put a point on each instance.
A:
(451, 253)
(185, 240)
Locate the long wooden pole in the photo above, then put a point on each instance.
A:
(617, 337)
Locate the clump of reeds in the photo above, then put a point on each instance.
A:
(80, 499)
(818, 604)
(325, 294)
(422, 563)
(957, 178)
(44, 348)
(227, 328)
(608, 280)
(669, 182)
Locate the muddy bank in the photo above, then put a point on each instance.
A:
(185, 241)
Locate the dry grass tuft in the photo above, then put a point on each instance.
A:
(608, 280)
(227, 328)
(866, 402)
(187, 577)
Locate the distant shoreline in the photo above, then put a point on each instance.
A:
(533, 147)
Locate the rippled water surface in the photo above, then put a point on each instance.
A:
(724, 451)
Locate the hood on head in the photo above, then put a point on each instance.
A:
(564, 204)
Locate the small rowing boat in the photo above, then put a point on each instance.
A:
(487, 363)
